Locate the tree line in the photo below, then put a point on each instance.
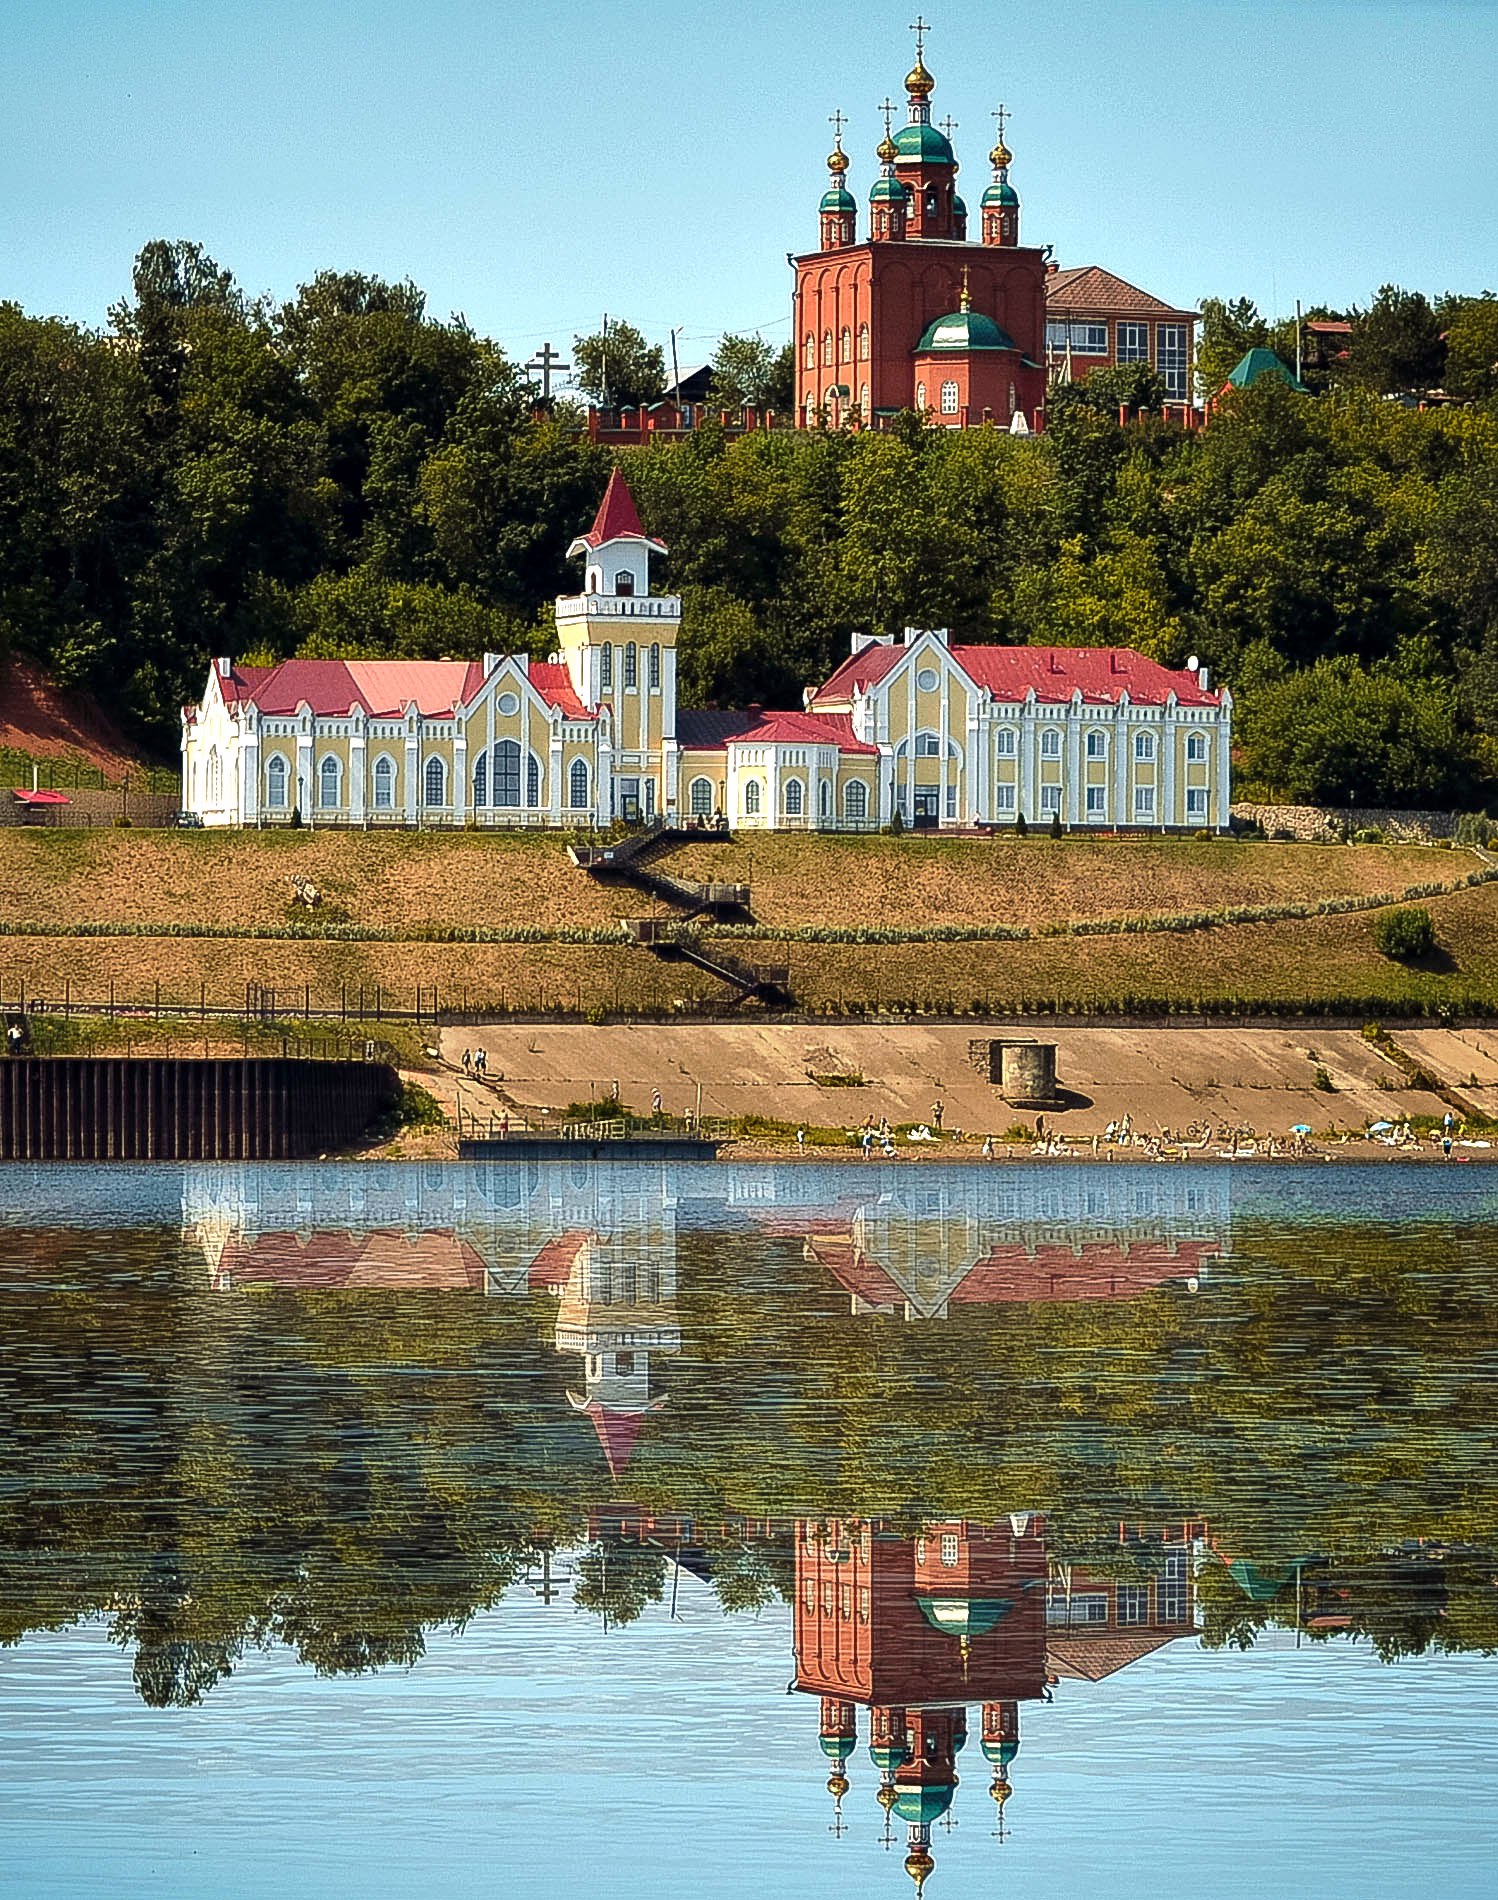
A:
(344, 474)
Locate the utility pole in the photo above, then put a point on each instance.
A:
(1297, 339)
(604, 365)
(675, 367)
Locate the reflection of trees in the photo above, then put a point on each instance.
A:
(345, 1471)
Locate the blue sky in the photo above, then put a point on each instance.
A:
(534, 167)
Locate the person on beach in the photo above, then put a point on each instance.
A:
(1446, 1140)
(655, 1104)
(988, 1147)
(468, 1062)
(800, 1140)
(936, 1115)
(481, 1063)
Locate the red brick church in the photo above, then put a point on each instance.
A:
(920, 315)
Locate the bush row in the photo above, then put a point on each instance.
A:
(329, 933)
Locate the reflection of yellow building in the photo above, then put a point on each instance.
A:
(936, 735)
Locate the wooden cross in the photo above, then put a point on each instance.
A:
(920, 28)
(547, 360)
(837, 122)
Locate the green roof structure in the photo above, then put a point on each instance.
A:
(1261, 362)
(964, 330)
(925, 143)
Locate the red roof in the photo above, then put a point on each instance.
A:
(437, 1260)
(552, 1267)
(554, 684)
(1088, 287)
(331, 688)
(713, 731)
(617, 1431)
(617, 518)
(41, 798)
(1100, 673)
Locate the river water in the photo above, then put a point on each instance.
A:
(620, 1529)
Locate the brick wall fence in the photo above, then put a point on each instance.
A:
(1314, 821)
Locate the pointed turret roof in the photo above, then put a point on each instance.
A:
(617, 519)
(617, 1431)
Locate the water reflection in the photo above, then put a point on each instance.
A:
(975, 1444)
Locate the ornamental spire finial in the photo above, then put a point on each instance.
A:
(1001, 155)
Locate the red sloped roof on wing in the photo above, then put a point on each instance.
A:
(1097, 1270)
(714, 731)
(863, 669)
(1101, 674)
(41, 798)
(552, 1267)
(384, 688)
(1085, 287)
(554, 683)
(618, 519)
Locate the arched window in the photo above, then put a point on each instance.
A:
(532, 780)
(795, 798)
(624, 585)
(434, 782)
(700, 797)
(1050, 743)
(655, 665)
(215, 779)
(811, 351)
(481, 780)
(1004, 742)
(811, 412)
(949, 399)
(384, 784)
(1097, 744)
(275, 782)
(863, 402)
(863, 343)
(631, 667)
(577, 785)
(845, 346)
(751, 797)
(328, 776)
(1196, 747)
(507, 773)
(606, 667)
(855, 801)
(920, 396)
(826, 798)
(927, 745)
(1144, 746)
(827, 348)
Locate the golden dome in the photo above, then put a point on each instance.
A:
(837, 160)
(1001, 1791)
(837, 1786)
(1000, 156)
(887, 151)
(918, 82)
(887, 1796)
(918, 1864)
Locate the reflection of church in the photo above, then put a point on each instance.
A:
(915, 1628)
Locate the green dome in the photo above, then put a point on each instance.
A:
(887, 191)
(888, 1754)
(924, 1804)
(837, 1747)
(1001, 194)
(925, 143)
(1000, 1752)
(839, 199)
(965, 330)
(959, 208)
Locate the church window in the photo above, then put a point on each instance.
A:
(532, 780)
(751, 797)
(1050, 743)
(920, 396)
(863, 402)
(856, 801)
(845, 346)
(949, 399)
(927, 745)
(863, 1606)
(481, 780)
(827, 348)
(1097, 744)
(863, 343)
(795, 798)
(328, 777)
(606, 667)
(215, 779)
(275, 782)
(926, 679)
(1005, 742)
(434, 782)
(930, 204)
(701, 797)
(1006, 226)
(826, 800)
(655, 665)
(384, 784)
(827, 1599)
(631, 667)
(949, 1550)
(1170, 359)
(811, 351)
(809, 1596)
(845, 1602)
(1144, 747)
(1196, 748)
(508, 704)
(1133, 343)
(577, 785)
(506, 773)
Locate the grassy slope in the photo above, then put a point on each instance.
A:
(394, 880)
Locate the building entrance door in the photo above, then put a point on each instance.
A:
(927, 808)
(629, 799)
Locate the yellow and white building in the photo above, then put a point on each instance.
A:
(947, 737)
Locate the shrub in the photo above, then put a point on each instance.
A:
(1323, 1081)
(1370, 834)
(1405, 933)
(122, 823)
(296, 818)
(1204, 836)
(419, 1108)
(1021, 829)
(896, 823)
(1055, 824)
(1474, 827)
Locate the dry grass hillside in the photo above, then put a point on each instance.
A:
(400, 880)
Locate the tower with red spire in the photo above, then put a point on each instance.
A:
(916, 287)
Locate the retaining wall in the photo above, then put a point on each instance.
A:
(1314, 821)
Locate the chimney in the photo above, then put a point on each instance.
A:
(221, 666)
(1051, 267)
(1204, 679)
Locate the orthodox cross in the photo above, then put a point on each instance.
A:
(920, 27)
(888, 109)
(1002, 115)
(949, 126)
(837, 122)
(547, 360)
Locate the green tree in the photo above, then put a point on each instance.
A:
(745, 374)
(1396, 343)
(617, 367)
(1472, 347)
(1230, 328)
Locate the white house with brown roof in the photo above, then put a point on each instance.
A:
(1095, 320)
(916, 729)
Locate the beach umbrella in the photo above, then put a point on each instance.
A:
(1301, 1128)
(1378, 1128)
